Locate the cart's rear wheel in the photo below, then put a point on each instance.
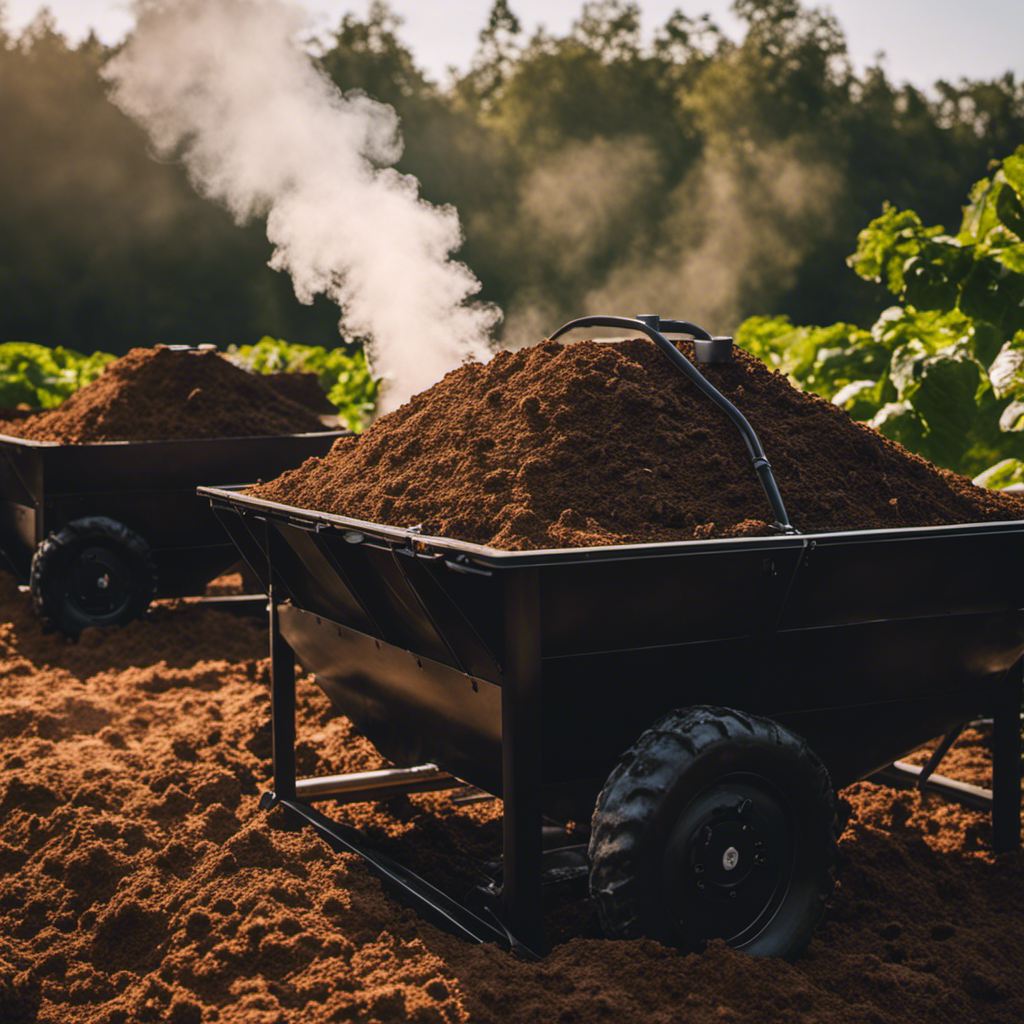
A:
(94, 572)
(715, 824)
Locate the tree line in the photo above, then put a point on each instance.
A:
(696, 176)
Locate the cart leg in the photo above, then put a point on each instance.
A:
(1006, 775)
(282, 695)
(521, 759)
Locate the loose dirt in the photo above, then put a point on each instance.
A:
(160, 394)
(140, 882)
(588, 444)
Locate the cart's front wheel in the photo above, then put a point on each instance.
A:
(715, 824)
(94, 572)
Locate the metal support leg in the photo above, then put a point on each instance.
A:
(521, 759)
(282, 696)
(1006, 774)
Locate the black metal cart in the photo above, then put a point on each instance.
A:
(712, 692)
(97, 530)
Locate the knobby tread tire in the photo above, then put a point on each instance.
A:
(626, 817)
(55, 555)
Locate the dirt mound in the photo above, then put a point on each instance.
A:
(586, 444)
(140, 882)
(303, 388)
(159, 394)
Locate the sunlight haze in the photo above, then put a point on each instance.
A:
(923, 40)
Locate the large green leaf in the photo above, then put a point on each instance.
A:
(887, 243)
(1007, 370)
(1010, 210)
(900, 422)
(1012, 257)
(862, 399)
(1011, 421)
(932, 277)
(980, 216)
(946, 398)
(1013, 171)
(906, 367)
(1003, 474)
(993, 293)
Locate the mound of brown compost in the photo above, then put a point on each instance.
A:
(303, 388)
(139, 881)
(159, 394)
(607, 443)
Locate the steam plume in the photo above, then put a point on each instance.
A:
(736, 231)
(223, 85)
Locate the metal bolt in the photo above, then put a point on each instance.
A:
(730, 858)
(732, 894)
(103, 582)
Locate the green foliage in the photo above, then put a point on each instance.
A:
(342, 373)
(42, 377)
(942, 372)
(1008, 473)
(592, 171)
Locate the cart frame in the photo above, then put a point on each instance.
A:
(518, 924)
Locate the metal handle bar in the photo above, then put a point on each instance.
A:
(678, 327)
(750, 439)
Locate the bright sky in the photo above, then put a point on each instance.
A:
(923, 39)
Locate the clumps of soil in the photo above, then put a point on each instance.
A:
(161, 394)
(303, 388)
(589, 444)
(139, 881)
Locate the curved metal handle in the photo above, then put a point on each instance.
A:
(750, 439)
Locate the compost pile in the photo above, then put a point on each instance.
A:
(161, 394)
(139, 881)
(303, 388)
(588, 444)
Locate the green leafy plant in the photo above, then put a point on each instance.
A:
(942, 371)
(342, 373)
(42, 377)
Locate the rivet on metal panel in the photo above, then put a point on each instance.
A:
(808, 551)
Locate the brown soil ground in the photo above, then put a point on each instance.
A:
(139, 881)
(587, 444)
(159, 394)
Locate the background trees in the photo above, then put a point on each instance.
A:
(698, 176)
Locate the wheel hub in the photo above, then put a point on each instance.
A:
(99, 582)
(726, 853)
(727, 861)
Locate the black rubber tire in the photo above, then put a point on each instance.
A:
(94, 572)
(715, 824)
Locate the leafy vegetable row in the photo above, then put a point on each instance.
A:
(40, 377)
(942, 371)
(342, 373)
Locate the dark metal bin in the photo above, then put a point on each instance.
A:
(148, 486)
(529, 673)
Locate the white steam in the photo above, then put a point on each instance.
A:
(223, 85)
